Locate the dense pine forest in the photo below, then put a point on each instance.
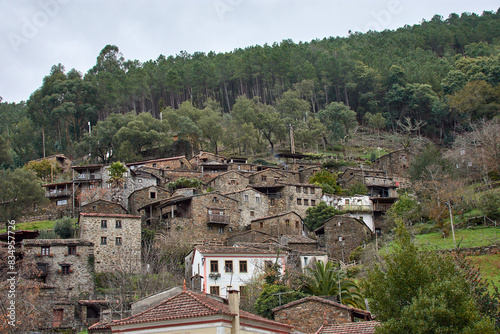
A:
(442, 74)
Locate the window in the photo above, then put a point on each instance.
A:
(214, 290)
(62, 202)
(243, 266)
(252, 213)
(245, 198)
(268, 264)
(341, 238)
(104, 241)
(297, 224)
(232, 182)
(272, 201)
(305, 190)
(306, 201)
(243, 291)
(297, 189)
(118, 241)
(214, 266)
(299, 201)
(154, 165)
(287, 222)
(346, 201)
(264, 178)
(65, 269)
(312, 191)
(261, 225)
(257, 199)
(152, 195)
(94, 207)
(313, 202)
(45, 250)
(124, 186)
(221, 229)
(228, 266)
(71, 250)
(118, 224)
(104, 224)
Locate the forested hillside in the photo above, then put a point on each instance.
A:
(443, 73)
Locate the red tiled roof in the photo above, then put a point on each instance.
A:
(155, 160)
(274, 216)
(324, 301)
(189, 304)
(362, 327)
(232, 250)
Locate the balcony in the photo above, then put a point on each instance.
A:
(88, 177)
(218, 219)
(357, 208)
(57, 193)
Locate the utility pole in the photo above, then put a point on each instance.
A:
(452, 227)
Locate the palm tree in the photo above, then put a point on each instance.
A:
(116, 172)
(325, 280)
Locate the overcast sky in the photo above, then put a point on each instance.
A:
(38, 34)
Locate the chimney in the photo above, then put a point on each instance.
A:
(234, 307)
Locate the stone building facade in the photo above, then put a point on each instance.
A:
(60, 196)
(116, 239)
(308, 314)
(203, 217)
(103, 206)
(288, 223)
(249, 237)
(269, 177)
(65, 264)
(251, 203)
(340, 235)
(144, 196)
(229, 182)
(301, 196)
(395, 163)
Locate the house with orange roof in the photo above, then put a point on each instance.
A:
(195, 313)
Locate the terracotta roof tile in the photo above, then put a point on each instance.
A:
(117, 215)
(362, 327)
(188, 304)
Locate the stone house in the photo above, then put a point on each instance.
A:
(59, 160)
(340, 235)
(195, 313)
(60, 196)
(395, 163)
(300, 196)
(103, 206)
(201, 217)
(309, 313)
(269, 177)
(116, 239)
(144, 196)
(252, 204)
(228, 182)
(173, 163)
(206, 157)
(225, 268)
(378, 182)
(287, 223)
(299, 243)
(65, 264)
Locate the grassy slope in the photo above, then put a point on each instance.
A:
(31, 226)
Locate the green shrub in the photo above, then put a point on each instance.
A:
(64, 228)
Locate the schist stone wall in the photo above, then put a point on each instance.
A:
(116, 239)
(308, 314)
(252, 205)
(229, 182)
(288, 223)
(197, 225)
(342, 234)
(103, 206)
(64, 264)
(299, 197)
(140, 198)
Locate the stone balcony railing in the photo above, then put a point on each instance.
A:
(57, 193)
(218, 219)
(364, 208)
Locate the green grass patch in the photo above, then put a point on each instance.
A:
(489, 266)
(31, 226)
(465, 238)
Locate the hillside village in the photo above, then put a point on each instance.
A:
(244, 218)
